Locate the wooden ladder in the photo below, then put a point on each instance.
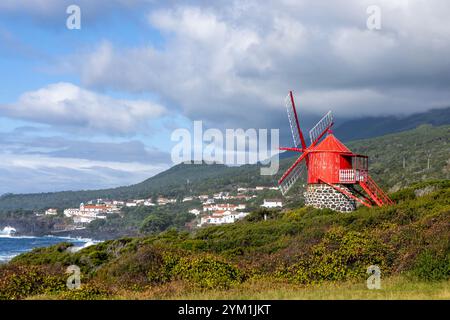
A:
(375, 192)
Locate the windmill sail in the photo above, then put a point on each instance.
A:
(291, 178)
(293, 121)
(321, 127)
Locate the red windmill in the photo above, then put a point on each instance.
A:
(333, 170)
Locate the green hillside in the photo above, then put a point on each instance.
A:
(369, 127)
(386, 165)
(414, 148)
(293, 254)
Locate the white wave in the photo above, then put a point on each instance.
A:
(7, 257)
(8, 231)
(19, 237)
(80, 239)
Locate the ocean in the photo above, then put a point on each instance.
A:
(11, 246)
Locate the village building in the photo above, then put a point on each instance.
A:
(221, 196)
(208, 201)
(89, 212)
(69, 212)
(51, 212)
(163, 201)
(272, 203)
(93, 208)
(131, 204)
(223, 206)
(195, 212)
(222, 217)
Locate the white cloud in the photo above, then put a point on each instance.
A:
(31, 173)
(232, 64)
(67, 105)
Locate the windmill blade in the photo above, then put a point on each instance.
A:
(291, 175)
(291, 179)
(297, 134)
(320, 128)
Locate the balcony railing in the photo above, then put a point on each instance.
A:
(352, 175)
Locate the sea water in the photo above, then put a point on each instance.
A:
(11, 246)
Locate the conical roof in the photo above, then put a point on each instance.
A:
(330, 144)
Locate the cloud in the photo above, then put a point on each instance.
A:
(33, 162)
(31, 141)
(231, 64)
(31, 173)
(67, 105)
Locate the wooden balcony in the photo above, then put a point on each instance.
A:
(352, 175)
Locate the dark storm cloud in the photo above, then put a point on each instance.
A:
(232, 63)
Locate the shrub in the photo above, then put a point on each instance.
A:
(56, 254)
(136, 269)
(207, 272)
(432, 267)
(339, 256)
(18, 282)
(263, 213)
(88, 291)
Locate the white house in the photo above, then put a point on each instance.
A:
(86, 218)
(83, 219)
(221, 217)
(131, 204)
(69, 212)
(221, 195)
(272, 203)
(51, 212)
(195, 212)
(185, 199)
(222, 206)
(93, 208)
(148, 203)
(163, 201)
(89, 212)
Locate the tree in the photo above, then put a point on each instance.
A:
(155, 223)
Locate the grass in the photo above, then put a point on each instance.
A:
(393, 288)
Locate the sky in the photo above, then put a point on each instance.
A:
(95, 107)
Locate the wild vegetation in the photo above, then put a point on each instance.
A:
(300, 249)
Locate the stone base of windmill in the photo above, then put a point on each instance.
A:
(323, 196)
